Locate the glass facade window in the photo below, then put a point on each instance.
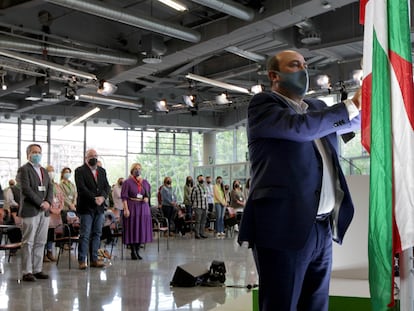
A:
(176, 154)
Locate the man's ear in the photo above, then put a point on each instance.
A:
(273, 76)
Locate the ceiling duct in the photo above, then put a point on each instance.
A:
(123, 16)
(27, 46)
(229, 7)
(48, 65)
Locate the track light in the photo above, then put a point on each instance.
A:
(3, 82)
(323, 81)
(70, 93)
(174, 4)
(357, 76)
(255, 89)
(106, 88)
(161, 105)
(222, 99)
(219, 84)
(82, 117)
(189, 100)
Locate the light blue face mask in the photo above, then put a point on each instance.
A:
(67, 175)
(36, 158)
(295, 82)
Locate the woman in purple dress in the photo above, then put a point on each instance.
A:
(137, 221)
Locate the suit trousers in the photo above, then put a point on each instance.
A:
(200, 221)
(291, 280)
(34, 237)
(90, 236)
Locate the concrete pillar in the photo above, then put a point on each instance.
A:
(209, 148)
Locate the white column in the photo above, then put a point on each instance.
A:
(209, 148)
(406, 280)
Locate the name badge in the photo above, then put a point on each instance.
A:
(139, 196)
(41, 188)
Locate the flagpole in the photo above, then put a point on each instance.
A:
(406, 280)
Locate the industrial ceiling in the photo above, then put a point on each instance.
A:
(55, 54)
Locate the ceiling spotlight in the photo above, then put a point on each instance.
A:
(357, 76)
(161, 105)
(70, 93)
(323, 81)
(189, 100)
(255, 89)
(3, 83)
(223, 99)
(106, 88)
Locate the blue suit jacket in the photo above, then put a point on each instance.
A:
(88, 189)
(286, 171)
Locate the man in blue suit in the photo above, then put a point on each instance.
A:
(298, 200)
(93, 189)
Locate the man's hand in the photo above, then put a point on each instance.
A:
(356, 99)
(45, 206)
(99, 200)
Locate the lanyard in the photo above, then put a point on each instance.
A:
(139, 184)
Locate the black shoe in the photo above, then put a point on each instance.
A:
(204, 236)
(133, 256)
(41, 276)
(29, 277)
(197, 237)
(137, 246)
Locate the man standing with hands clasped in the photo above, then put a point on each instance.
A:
(299, 200)
(93, 189)
(36, 196)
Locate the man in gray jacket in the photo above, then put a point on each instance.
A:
(36, 197)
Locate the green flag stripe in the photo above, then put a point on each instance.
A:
(380, 214)
(398, 32)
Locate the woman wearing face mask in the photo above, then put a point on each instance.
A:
(220, 205)
(70, 195)
(55, 217)
(116, 197)
(188, 187)
(237, 201)
(137, 221)
(69, 192)
(169, 201)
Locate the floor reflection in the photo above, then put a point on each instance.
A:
(131, 285)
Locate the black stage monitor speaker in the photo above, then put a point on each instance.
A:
(190, 274)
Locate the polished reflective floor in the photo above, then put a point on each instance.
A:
(127, 284)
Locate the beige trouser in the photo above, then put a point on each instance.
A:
(34, 237)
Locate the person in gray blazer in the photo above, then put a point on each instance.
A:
(36, 197)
